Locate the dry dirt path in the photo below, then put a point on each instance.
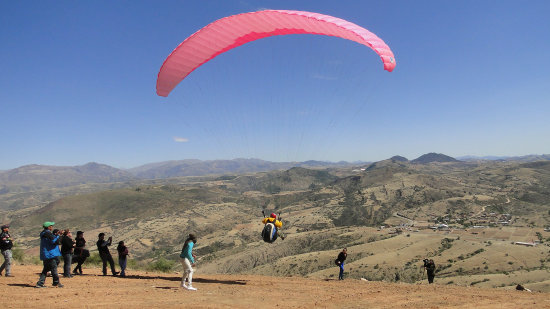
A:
(153, 290)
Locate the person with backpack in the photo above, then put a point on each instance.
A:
(430, 269)
(271, 228)
(340, 262)
(188, 261)
(6, 244)
(122, 255)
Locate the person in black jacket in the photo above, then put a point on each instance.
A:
(340, 262)
(103, 248)
(430, 270)
(80, 253)
(5, 247)
(122, 257)
(67, 245)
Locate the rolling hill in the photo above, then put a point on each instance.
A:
(325, 210)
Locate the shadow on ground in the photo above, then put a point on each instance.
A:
(22, 285)
(178, 279)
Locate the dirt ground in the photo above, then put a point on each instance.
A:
(154, 290)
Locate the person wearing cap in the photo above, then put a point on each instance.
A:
(49, 254)
(105, 254)
(188, 261)
(80, 253)
(278, 224)
(6, 244)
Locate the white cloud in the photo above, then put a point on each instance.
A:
(180, 139)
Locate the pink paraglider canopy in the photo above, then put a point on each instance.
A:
(236, 30)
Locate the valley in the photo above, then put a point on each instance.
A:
(392, 214)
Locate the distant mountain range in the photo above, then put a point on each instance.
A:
(527, 158)
(182, 168)
(60, 176)
(33, 176)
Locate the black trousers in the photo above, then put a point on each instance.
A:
(431, 276)
(49, 265)
(79, 260)
(108, 258)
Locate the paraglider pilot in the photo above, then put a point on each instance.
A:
(271, 228)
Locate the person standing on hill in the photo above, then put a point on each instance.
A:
(340, 262)
(430, 270)
(49, 254)
(188, 261)
(67, 245)
(80, 254)
(105, 254)
(122, 255)
(6, 244)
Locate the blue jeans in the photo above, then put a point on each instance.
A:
(122, 264)
(341, 275)
(67, 260)
(7, 262)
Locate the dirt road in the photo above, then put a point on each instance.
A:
(156, 290)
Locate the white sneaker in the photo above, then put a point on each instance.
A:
(190, 288)
(183, 285)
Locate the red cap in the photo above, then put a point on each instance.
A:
(273, 215)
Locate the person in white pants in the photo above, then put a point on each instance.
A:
(188, 261)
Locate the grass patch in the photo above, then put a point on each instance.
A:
(161, 265)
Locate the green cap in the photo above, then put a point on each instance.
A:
(48, 224)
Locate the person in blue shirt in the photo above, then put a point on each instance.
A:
(188, 261)
(49, 254)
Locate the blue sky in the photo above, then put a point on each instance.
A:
(77, 83)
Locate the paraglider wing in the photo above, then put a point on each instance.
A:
(236, 30)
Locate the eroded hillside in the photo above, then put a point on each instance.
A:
(324, 212)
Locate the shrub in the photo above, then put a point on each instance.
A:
(162, 265)
(480, 281)
(446, 243)
(17, 253)
(94, 259)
